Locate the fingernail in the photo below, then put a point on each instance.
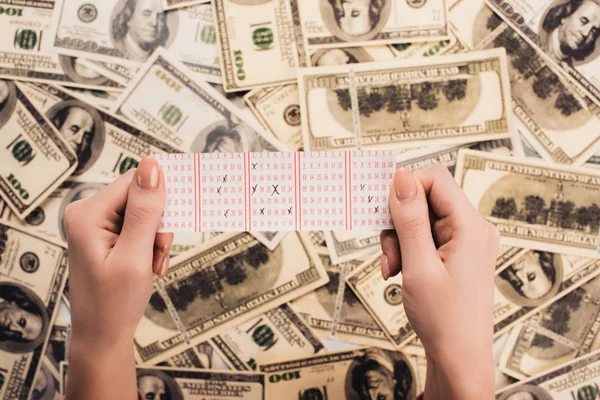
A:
(385, 267)
(164, 266)
(147, 174)
(405, 184)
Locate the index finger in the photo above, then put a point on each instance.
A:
(446, 198)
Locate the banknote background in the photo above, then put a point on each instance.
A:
(501, 92)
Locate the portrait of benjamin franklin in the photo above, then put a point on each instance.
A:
(139, 27)
(381, 375)
(8, 100)
(83, 129)
(570, 29)
(532, 279)
(351, 20)
(157, 385)
(23, 319)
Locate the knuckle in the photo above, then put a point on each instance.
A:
(138, 215)
(413, 227)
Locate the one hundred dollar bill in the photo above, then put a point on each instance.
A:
(278, 108)
(169, 4)
(34, 157)
(221, 284)
(576, 379)
(25, 49)
(562, 331)
(369, 373)
(532, 279)
(383, 300)
(202, 356)
(32, 275)
(128, 32)
(278, 333)
(167, 101)
(534, 204)
(565, 32)
(334, 311)
(106, 146)
(192, 384)
(560, 121)
(252, 35)
(330, 23)
(402, 104)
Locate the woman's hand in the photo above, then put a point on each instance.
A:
(113, 252)
(447, 265)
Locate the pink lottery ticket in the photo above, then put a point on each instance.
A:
(271, 191)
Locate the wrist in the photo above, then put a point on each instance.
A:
(100, 371)
(464, 377)
(98, 335)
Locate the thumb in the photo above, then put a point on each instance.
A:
(410, 215)
(145, 203)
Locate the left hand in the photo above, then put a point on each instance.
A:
(114, 249)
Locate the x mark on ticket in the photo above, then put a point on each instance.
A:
(282, 191)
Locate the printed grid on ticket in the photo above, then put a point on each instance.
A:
(277, 191)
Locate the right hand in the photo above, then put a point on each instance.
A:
(447, 265)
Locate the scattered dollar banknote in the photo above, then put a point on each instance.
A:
(35, 156)
(193, 384)
(560, 121)
(402, 104)
(25, 49)
(252, 35)
(334, 311)
(329, 23)
(383, 300)
(106, 146)
(545, 27)
(560, 332)
(33, 270)
(576, 379)
(278, 107)
(265, 338)
(167, 101)
(347, 374)
(221, 284)
(533, 279)
(128, 32)
(534, 204)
